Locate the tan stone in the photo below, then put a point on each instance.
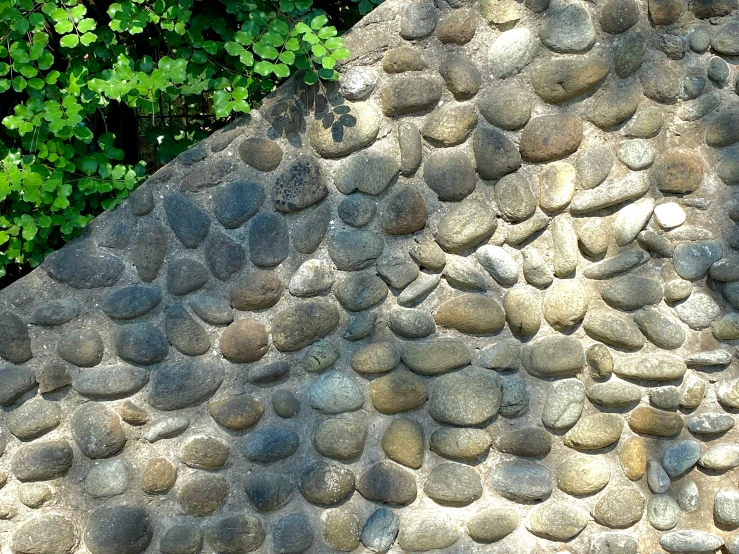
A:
(403, 442)
(650, 421)
(159, 476)
(595, 432)
(633, 458)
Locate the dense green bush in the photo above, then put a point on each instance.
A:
(65, 63)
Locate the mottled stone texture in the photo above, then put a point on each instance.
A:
(483, 298)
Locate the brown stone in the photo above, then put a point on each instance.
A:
(237, 412)
(203, 494)
(550, 137)
(473, 314)
(563, 79)
(650, 421)
(665, 12)
(678, 170)
(159, 476)
(245, 340)
(398, 391)
(458, 27)
(403, 442)
(633, 458)
(132, 413)
(256, 291)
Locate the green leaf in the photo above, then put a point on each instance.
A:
(328, 62)
(334, 43)
(327, 32)
(287, 58)
(19, 84)
(281, 70)
(292, 44)
(64, 27)
(341, 54)
(234, 48)
(69, 41)
(265, 51)
(318, 22)
(264, 68)
(311, 78)
(88, 38)
(318, 50)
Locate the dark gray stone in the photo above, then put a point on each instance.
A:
(409, 141)
(225, 257)
(303, 324)
(408, 93)
(81, 265)
(353, 250)
(150, 251)
(270, 444)
(568, 30)
(119, 530)
(360, 326)
(718, 70)
(357, 210)
(235, 203)
(268, 491)
(418, 20)
(388, 483)
(506, 106)
(367, 172)
(262, 154)
(183, 384)
(56, 312)
(207, 174)
(380, 530)
(285, 403)
(184, 333)
(42, 461)
(116, 381)
(269, 241)
(212, 309)
(360, 291)
(309, 231)
(189, 222)
(181, 539)
(131, 302)
(618, 16)
(630, 53)
(83, 348)
(141, 201)
(268, 373)
(450, 174)
(141, 343)
(300, 185)
(33, 419)
(461, 76)
(522, 481)
(185, 275)
(495, 154)
(292, 535)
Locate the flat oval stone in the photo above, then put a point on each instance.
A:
(270, 444)
(466, 398)
(495, 154)
(326, 484)
(389, 483)
(108, 479)
(188, 221)
(660, 329)
(614, 105)
(514, 197)
(654, 367)
(119, 530)
(292, 534)
(650, 421)
(619, 507)
(459, 443)
(56, 312)
(367, 172)
(17, 381)
(303, 324)
(452, 484)
(512, 51)
(563, 404)
(595, 432)
(238, 412)
(690, 540)
(450, 174)
(720, 457)
(83, 348)
(710, 423)
(184, 333)
(42, 461)
(225, 257)
(340, 438)
(610, 194)
(632, 293)
(268, 491)
(435, 357)
(565, 304)
(238, 533)
(45, 534)
(557, 520)
(449, 125)
(472, 314)
(411, 323)
(505, 106)
(529, 442)
(429, 532)
(131, 301)
(408, 93)
(339, 134)
(633, 458)
(236, 203)
(553, 356)
(334, 393)
(692, 260)
(399, 391)
(613, 328)
(568, 30)
(183, 384)
(492, 524)
(378, 357)
(522, 312)
(203, 494)
(308, 232)
(550, 137)
(354, 250)
(681, 457)
(583, 475)
(465, 225)
(563, 79)
(679, 171)
(418, 20)
(141, 343)
(360, 291)
(185, 275)
(269, 239)
(614, 393)
(33, 419)
(117, 381)
(81, 265)
(522, 481)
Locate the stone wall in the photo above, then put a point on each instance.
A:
(478, 298)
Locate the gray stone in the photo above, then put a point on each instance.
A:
(502, 355)
(320, 356)
(184, 333)
(185, 275)
(512, 51)
(614, 393)
(358, 82)
(710, 423)
(405, 211)
(613, 328)
(720, 457)
(56, 312)
(17, 381)
(553, 356)
(313, 277)
(452, 484)
(613, 543)
(262, 154)
(506, 106)
(342, 131)
(188, 221)
(179, 385)
(521, 232)
(536, 271)
(495, 154)
(353, 250)
(636, 154)
(418, 20)
(645, 124)
(663, 512)
(130, 302)
(630, 53)
(408, 93)
(566, 253)
(522, 481)
(618, 16)
(725, 39)
(290, 328)
(522, 312)
(632, 293)
(235, 203)
(203, 494)
(563, 404)
(141, 343)
(285, 403)
(465, 225)
(166, 428)
(388, 483)
(450, 174)
(568, 30)
(677, 289)
(116, 381)
(690, 540)
(212, 309)
(380, 530)
(268, 491)
(557, 520)
(334, 393)
(462, 78)
(119, 530)
(620, 263)
(594, 432)
(565, 304)
(466, 398)
(514, 397)
(409, 141)
(357, 210)
(81, 265)
(207, 174)
(680, 457)
(428, 254)
(360, 291)
(499, 263)
(429, 532)
(657, 477)
(660, 329)
(308, 232)
(514, 197)
(693, 260)
(593, 166)
(610, 194)
(560, 80)
(270, 444)
(369, 172)
(550, 137)
(46, 534)
(411, 323)
(666, 398)
(269, 241)
(698, 311)
(109, 478)
(600, 360)
(465, 273)
(97, 431)
(225, 257)
(397, 272)
(42, 461)
(581, 475)
(619, 507)
(33, 419)
(238, 533)
(340, 438)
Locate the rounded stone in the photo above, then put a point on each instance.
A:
(630, 54)
(458, 27)
(405, 211)
(237, 412)
(452, 484)
(512, 51)
(563, 404)
(657, 478)
(380, 530)
(238, 533)
(636, 154)
(397, 392)
(97, 431)
(203, 494)
(565, 304)
(411, 323)
(553, 356)
(285, 403)
(262, 154)
(406, 94)
(690, 541)
(418, 20)
(499, 263)
(341, 531)
(522, 312)
(270, 444)
(258, 290)
(459, 443)
(403, 442)
(326, 484)
(450, 174)
(131, 302)
(245, 340)
(354, 250)
(204, 452)
(522, 481)
(268, 239)
(557, 182)
(583, 475)
(472, 314)
(313, 277)
(118, 530)
(595, 432)
(663, 512)
(680, 457)
(649, 421)
(159, 476)
(618, 16)
(83, 348)
(340, 438)
(505, 106)
(33, 419)
(109, 478)
(560, 80)
(528, 442)
(449, 125)
(557, 520)
(430, 532)
(334, 393)
(141, 343)
(42, 461)
(568, 30)
(492, 524)
(389, 483)
(268, 491)
(339, 139)
(613, 328)
(619, 507)
(495, 154)
(236, 203)
(357, 210)
(550, 137)
(514, 197)
(467, 398)
(292, 535)
(46, 534)
(185, 276)
(678, 171)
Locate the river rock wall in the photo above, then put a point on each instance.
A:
(477, 297)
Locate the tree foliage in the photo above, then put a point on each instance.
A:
(64, 63)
